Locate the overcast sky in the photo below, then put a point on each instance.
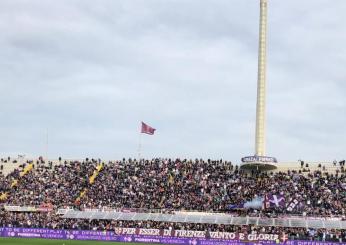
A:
(90, 71)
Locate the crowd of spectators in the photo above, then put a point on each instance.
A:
(212, 186)
(175, 185)
(58, 185)
(198, 185)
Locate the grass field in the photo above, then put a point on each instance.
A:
(29, 241)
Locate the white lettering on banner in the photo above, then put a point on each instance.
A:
(190, 234)
(41, 231)
(28, 235)
(262, 237)
(222, 235)
(129, 231)
(167, 232)
(186, 233)
(93, 233)
(147, 240)
(11, 208)
(149, 232)
(44, 209)
(20, 209)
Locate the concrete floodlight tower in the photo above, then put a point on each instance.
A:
(261, 81)
(260, 160)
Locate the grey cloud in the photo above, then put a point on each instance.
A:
(91, 72)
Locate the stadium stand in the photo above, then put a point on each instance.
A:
(305, 202)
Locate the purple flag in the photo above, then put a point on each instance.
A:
(273, 201)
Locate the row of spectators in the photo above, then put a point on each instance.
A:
(211, 186)
(177, 185)
(53, 221)
(58, 185)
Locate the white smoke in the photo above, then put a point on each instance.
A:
(254, 203)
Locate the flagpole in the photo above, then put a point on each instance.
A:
(47, 145)
(139, 146)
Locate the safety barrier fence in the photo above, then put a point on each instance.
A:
(206, 219)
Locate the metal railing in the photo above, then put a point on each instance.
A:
(224, 219)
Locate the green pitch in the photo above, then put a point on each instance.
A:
(30, 241)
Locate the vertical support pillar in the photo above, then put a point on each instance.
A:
(261, 82)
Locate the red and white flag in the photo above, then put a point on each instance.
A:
(146, 129)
